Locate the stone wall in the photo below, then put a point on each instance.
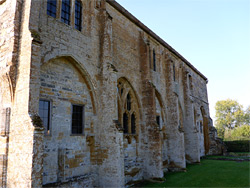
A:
(145, 106)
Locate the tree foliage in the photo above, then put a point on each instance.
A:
(231, 115)
(238, 133)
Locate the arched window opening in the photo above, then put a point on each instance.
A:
(127, 108)
(133, 124)
(125, 123)
(128, 102)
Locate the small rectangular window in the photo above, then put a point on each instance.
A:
(65, 13)
(44, 113)
(51, 8)
(77, 119)
(78, 15)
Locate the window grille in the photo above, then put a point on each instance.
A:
(65, 13)
(44, 113)
(51, 8)
(78, 15)
(77, 119)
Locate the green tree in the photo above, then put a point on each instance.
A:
(238, 133)
(247, 116)
(229, 115)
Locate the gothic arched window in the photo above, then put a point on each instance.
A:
(127, 107)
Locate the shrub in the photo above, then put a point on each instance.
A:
(238, 146)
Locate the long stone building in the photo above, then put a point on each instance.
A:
(91, 97)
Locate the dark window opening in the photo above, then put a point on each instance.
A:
(128, 102)
(121, 91)
(133, 124)
(77, 119)
(201, 127)
(154, 61)
(125, 123)
(78, 15)
(190, 83)
(174, 71)
(65, 13)
(44, 113)
(158, 121)
(51, 8)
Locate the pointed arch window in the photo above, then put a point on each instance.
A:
(127, 108)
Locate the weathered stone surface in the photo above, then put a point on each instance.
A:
(145, 106)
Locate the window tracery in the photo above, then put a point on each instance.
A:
(127, 108)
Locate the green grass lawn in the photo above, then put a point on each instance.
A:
(227, 157)
(209, 173)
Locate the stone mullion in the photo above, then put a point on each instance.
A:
(72, 13)
(58, 9)
(129, 122)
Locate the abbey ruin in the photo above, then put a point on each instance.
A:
(91, 97)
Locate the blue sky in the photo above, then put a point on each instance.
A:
(213, 35)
